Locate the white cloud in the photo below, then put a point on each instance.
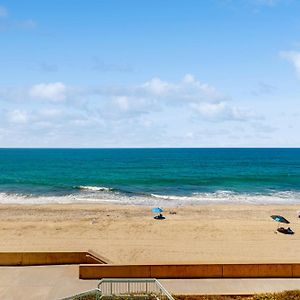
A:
(156, 112)
(293, 57)
(157, 92)
(3, 12)
(50, 112)
(188, 89)
(156, 96)
(188, 78)
(56, 91)
(18, 116)
(220, 111)
(156, 86)
(122, 102)
(151, 97)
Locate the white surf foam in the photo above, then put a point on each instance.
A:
(222, 197)
(95, 188)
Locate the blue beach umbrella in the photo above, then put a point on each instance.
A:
(280, 219)
(156, 210)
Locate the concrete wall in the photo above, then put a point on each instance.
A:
(190, 271)
(93, 266)
(48, 258)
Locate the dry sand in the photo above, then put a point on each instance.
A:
(129, 234)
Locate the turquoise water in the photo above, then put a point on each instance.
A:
(150, 176)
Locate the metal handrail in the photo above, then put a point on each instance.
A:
(131, 281)
(164, 290)
(128, 287)
(104, 280)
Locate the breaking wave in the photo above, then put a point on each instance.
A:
(94, 188)
(91, 194)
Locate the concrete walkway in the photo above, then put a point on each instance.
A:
(43, 282)
(55, 282)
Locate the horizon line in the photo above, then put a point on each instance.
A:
(103, 148)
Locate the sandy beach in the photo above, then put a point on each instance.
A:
(129, 234)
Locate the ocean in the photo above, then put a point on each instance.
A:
(164, 177)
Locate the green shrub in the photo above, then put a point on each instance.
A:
(287, 295)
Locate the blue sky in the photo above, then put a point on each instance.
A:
(214, 73)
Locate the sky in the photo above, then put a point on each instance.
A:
(173, 73)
